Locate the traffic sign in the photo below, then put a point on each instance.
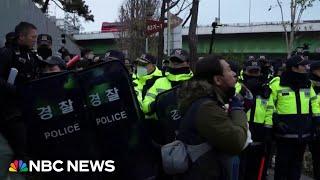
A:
(154, 26)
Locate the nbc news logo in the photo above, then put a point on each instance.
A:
(18, 166)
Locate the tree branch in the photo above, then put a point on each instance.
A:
(187, 19)
(45, 6)
(58, 5)
(303, 7)
(293, 8)
(182, 9)
(282, 18)
(284, 25)
(172, 5)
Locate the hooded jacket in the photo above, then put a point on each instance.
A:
(224, 131)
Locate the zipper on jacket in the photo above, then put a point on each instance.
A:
(298, 104)
(253, 109)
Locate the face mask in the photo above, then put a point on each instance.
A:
(300, 76)
(253, 83)
(175, 71)
(44, 52)
(142, 71)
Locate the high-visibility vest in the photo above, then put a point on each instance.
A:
(260, 126)
(142, 84)
(161, 85)
(292, 110)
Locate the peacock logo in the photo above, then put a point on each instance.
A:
(18, 166)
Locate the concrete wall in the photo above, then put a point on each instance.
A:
(14, 11)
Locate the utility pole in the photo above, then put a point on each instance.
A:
(219, 10)
(168, 30)
(249, 12)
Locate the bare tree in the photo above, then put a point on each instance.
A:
(133, 16)
(192, 33)
(75, 20)
(166, 6)
(297, 8)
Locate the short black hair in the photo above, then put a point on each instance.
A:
(208, 67)
(24, 28)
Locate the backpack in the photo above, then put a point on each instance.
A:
(177, 156)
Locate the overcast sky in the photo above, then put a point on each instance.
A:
(232, 11)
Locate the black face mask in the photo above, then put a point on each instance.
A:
(295, 80)
(44, 52)
(300, 77)
(253, 82)
(176, 71)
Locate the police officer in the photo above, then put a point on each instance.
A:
(10, 39)
(235, 68)
(177, 72)
(6, 152)
(114, 55)
(278, 67)
(240, 76)
(24, 60)
(51, 66)
(266, 67)
(241, 90)
(168, 115)
(44, 46)
(315, 143)
(260, 127)
(20, 56)
(295, 103)
(165, 64)
(147, 74)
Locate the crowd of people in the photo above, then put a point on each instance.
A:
(221, 120)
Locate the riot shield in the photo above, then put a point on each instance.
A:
(112, 111)
(168, 114)
(54, 114)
